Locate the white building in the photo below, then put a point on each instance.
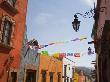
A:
(67, 70)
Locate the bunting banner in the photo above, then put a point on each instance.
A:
(63, 55)
(60, 55)
(34, 45)
(69, 59)
(53, 43)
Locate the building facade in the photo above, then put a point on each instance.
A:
(68, 69)
(12, 28)
(30, 61)
(50, 69)
(76, 77)
(102, 40)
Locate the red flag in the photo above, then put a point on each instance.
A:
(76, 54)
(62, 55)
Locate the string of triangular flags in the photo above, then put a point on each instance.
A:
(63, 55)
(29, 44)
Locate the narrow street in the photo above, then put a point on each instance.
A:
(54, 41)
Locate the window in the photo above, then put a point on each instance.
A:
(12, 2)
(43, 76)
(59, 77)
(67, 79)
(7, 29)
(65, 66)
(51, 76)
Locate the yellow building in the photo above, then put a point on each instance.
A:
(76, 77)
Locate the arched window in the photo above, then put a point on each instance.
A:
(7, 30)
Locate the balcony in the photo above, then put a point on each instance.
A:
(5, 48)
(9, 6)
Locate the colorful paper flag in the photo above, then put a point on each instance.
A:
(82, 38)
(56, 55)
(51, 43)
(76, 54)
(62, 55)
(44, 53)
(75, 39)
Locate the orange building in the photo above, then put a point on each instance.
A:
(12, 28)
(50, 69)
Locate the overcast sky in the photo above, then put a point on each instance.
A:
(51, 21)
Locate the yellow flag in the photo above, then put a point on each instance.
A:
(82, 38)
(56, 55)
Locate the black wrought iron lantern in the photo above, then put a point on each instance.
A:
(76, 23)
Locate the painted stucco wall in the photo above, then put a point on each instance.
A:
(50, 64)
(104, 14)
(17, 38)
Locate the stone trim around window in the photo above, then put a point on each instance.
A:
(4, 18)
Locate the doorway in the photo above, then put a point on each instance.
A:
(13, 76)
(30, 75)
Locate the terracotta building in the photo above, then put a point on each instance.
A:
(81, 77)
(12, 28)
(102, 40)
(50, 69)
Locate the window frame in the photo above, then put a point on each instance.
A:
(7, 18)
(59, 76)
(7, 30)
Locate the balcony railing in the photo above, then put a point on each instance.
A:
(5, 48)
(9, 6)
(11, 2)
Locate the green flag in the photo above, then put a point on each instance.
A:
(45, 53)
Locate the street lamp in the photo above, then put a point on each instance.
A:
(88, 14)
(92, 13)
(76, 23)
